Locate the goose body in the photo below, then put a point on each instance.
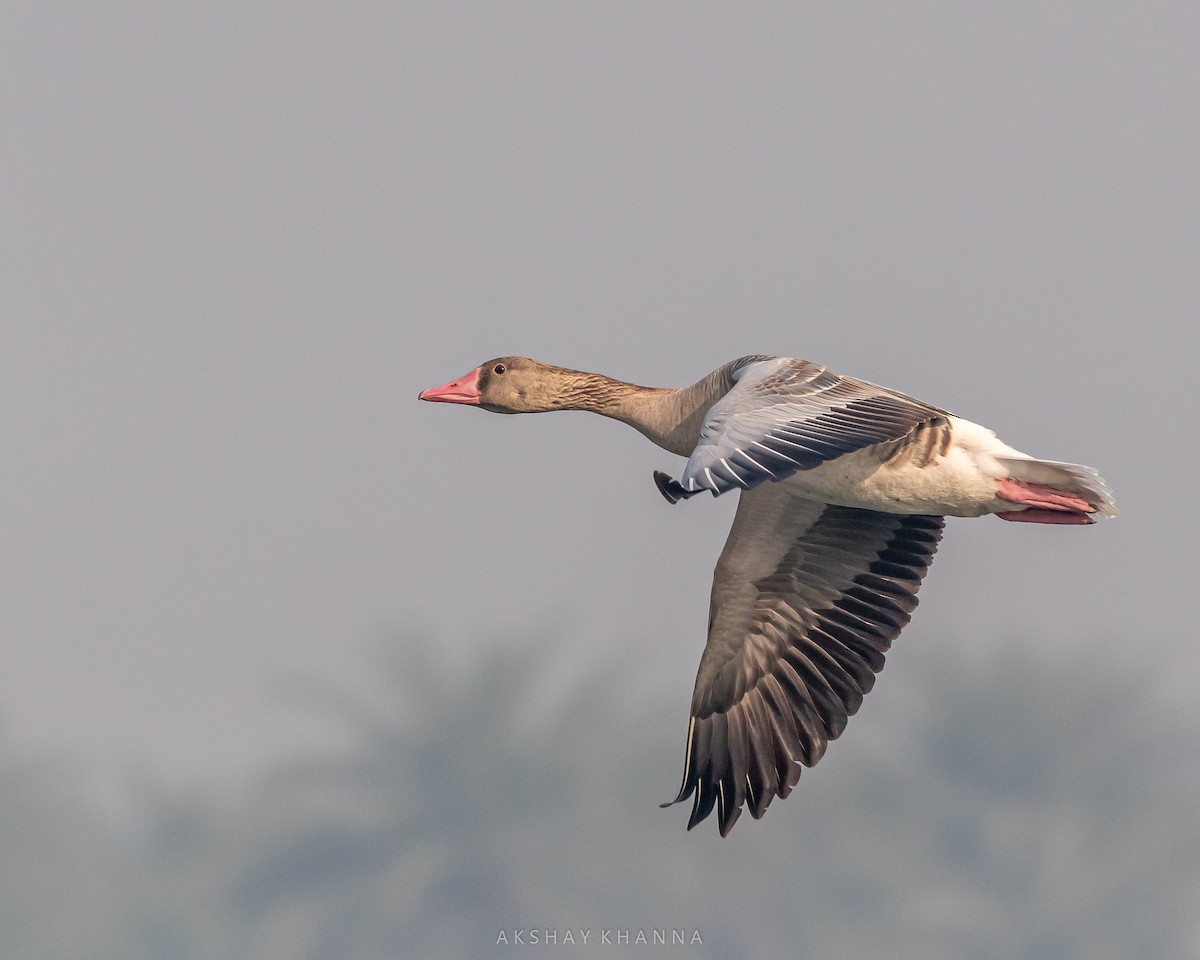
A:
(843, 489)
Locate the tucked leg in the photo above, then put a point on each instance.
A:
(1043, 504)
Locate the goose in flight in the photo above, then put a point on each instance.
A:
(844, 487)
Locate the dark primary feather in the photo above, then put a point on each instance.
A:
(792, 650)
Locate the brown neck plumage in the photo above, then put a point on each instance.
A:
(668, 416)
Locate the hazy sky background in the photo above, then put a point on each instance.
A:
(238, 238)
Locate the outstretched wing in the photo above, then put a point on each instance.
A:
(784, 415)
(806, 599)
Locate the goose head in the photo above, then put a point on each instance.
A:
(515, 385)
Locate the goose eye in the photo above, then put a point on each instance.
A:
(499, 368)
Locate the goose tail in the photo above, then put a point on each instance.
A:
(1054, 492)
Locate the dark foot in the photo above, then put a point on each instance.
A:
(671, 489)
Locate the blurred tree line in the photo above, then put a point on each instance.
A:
(1024, 806)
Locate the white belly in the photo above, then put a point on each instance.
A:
(959, 483)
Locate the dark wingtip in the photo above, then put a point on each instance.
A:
(664, 484)
(684, 792)
(671, 489)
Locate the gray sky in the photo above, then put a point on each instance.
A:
(238, 238)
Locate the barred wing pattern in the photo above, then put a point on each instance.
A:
(806, 600)
(784, 415)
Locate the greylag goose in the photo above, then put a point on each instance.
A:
(844, 487)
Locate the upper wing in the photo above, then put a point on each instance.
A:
(806, 599)
(784, 415)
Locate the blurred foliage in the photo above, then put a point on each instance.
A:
(1026, 806)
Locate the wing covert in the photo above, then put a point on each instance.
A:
(784, 415)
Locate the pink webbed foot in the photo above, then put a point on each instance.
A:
(1042, 504)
